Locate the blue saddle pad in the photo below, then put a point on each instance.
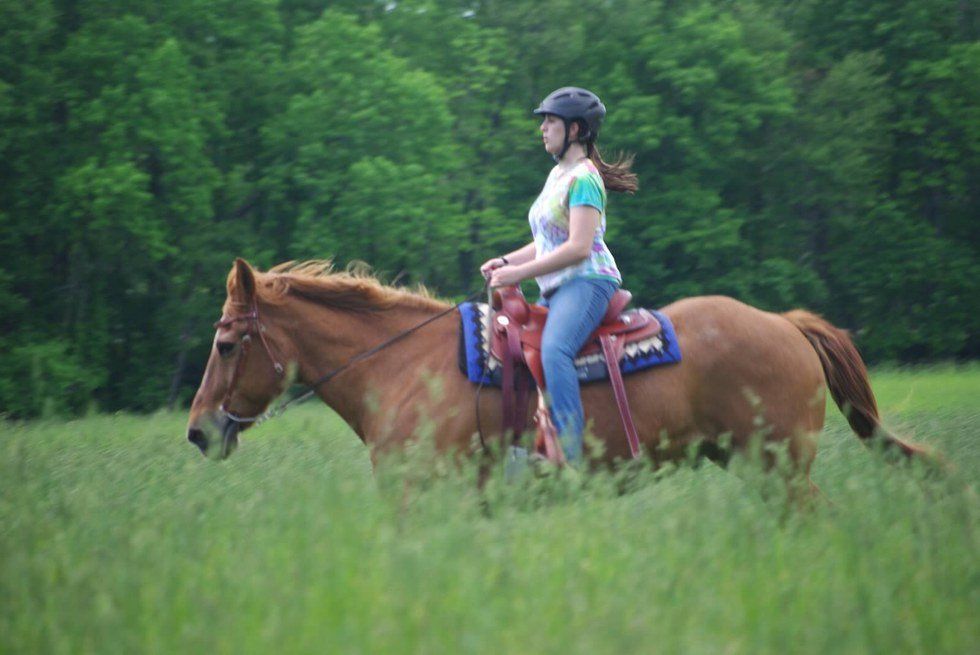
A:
(481, 367)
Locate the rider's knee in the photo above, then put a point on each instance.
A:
(555, 353)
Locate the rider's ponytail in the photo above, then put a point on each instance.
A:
(616, 176)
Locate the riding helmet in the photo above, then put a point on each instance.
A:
(572, 103)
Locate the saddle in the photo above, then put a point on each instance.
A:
(516, 327)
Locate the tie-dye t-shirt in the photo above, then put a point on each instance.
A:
(581, 185)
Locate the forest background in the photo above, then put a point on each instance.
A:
(823, 154)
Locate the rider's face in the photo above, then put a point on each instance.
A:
(552, 133)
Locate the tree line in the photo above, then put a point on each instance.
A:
(816, 153)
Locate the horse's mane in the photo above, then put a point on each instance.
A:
(355, 288)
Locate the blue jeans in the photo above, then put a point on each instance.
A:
(575, 309)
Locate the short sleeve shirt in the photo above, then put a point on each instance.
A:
(549, 219)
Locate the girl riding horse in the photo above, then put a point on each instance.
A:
(573, 266)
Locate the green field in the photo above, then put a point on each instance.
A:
(116, 536)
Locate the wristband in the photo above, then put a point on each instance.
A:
(504, 260)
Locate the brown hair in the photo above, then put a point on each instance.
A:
(616, 176)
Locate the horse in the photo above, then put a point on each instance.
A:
(744, 373)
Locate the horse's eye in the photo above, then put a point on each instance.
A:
(225, 347)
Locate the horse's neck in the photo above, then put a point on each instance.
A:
(327, 339)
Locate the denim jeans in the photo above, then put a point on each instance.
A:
(575, 309)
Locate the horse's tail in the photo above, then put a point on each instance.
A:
(847, 379)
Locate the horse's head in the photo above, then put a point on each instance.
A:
(245, 370)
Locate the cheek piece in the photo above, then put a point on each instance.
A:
(254, 328)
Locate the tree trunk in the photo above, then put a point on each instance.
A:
(179, 366)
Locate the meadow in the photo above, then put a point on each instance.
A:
(116, 536)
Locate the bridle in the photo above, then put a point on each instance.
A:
(256, 327)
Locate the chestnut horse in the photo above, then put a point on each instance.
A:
(744, 371)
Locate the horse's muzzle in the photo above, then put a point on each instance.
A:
(227, 428)
(197, 437)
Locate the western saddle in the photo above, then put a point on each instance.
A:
(515, 339)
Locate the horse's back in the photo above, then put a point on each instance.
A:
(743, 369)
(716, 328)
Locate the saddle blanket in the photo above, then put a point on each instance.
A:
(480, 367)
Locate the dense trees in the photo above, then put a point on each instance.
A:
(824, 154)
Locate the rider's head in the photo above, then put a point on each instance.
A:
(581, 113)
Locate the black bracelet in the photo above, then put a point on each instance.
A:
(504, 260)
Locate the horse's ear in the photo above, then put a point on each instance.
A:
(241, 286)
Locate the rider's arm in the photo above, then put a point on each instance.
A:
(522, 255)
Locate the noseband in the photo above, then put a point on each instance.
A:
(254, 328)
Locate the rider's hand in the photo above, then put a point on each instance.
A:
(506, 276)
(490, 265)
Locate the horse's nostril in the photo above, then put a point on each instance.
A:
(196, 437)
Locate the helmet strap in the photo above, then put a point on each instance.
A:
(566, 144)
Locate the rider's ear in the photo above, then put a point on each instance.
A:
(243, 285)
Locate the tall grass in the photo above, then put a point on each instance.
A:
(117, 537)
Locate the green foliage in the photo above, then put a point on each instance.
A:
(908, 277)
(44, 378)
(819, 154)
(336, 167)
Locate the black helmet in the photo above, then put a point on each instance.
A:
(572, 103)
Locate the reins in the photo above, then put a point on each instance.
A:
(257, 327)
